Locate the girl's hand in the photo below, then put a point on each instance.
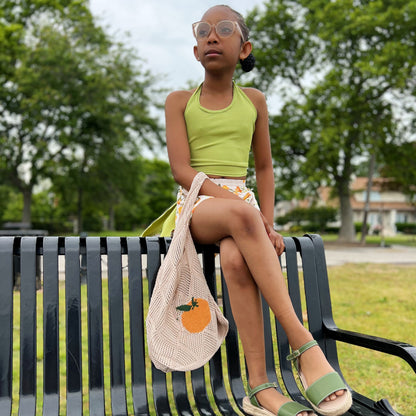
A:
(275, 238)
(277, 241)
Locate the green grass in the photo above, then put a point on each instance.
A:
(378, 300)
(373, 299)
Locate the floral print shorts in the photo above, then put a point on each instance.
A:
(237, 186)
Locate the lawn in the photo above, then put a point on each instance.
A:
(378, 300)
(374, 299)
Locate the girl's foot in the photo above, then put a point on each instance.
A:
(314, 365)
(324, 388)
(270, 400)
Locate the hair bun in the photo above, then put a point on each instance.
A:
(248, 64)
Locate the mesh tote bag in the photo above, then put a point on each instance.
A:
(185, 326)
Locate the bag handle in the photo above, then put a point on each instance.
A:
(190, 199)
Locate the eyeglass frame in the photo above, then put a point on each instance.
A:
(235, 24)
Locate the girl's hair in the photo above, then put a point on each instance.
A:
(247, 64)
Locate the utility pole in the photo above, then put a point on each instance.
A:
(364, 227)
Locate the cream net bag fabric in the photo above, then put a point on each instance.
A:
(185, 326)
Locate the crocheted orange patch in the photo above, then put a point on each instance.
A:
(196, 315)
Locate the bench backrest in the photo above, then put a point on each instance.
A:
(88, 340)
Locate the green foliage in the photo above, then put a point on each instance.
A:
(159, 188)
(12, 206)
(399, 163)
(336, 66)
(314, 218)
(406, 227)
(155, 193)
(72, 102)
(5, 192)
(128, 193)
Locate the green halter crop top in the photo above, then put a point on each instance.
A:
(220, 140)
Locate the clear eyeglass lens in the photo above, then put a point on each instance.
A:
(202, 30)
(224, 29)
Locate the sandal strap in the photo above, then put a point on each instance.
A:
(295, 354)
(292, 409)
(252, 392)
(323, 387)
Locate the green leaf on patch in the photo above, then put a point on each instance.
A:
(184, 308)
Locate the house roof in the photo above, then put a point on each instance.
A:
(381, 185)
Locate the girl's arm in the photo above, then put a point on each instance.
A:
(264, 167)
(263, 157)
(178, 146)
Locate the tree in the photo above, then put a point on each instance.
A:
(399, 164)
(140, 191)
(159, 187)
(72, 100)
(336, 66)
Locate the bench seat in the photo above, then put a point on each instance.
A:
(81, 347)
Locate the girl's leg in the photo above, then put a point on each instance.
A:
(247, 311)
(218, 218)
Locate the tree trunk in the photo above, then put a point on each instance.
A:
(347, 230)
(27, 205)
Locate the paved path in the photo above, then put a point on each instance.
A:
(338, 254)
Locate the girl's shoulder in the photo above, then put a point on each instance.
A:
(179, 98)
(253, 93)
(256, 97)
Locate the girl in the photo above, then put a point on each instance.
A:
(212, 129)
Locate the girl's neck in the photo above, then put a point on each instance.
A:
(217, 84)
(216, 94)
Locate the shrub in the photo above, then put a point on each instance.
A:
(406, 227)
(314, 218)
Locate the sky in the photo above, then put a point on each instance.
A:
(161, 33)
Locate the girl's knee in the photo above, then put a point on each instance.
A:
(245, 218)
(233, 264)
(232, 260)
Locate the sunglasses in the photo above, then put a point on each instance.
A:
(223, 29)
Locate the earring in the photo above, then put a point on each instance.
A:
(248, 64)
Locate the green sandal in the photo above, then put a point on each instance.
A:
(323, 387)
(252, 407)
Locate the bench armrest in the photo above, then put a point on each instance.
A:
(400, 349)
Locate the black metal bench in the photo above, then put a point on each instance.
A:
(117, 377)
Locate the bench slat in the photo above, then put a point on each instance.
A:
(313, 305)
(216, 372)
(159, 385)
(293, 280)
(180, 393)
(6, 324)
(137, 348)
(51, 325)
(73, 326)
(116, 320)
(325, 298)
(28, 359)
(95, 327)
(233, 350)
(199, 390)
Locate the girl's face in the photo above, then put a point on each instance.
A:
(216, 52)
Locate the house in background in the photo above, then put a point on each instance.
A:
(387, 206)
